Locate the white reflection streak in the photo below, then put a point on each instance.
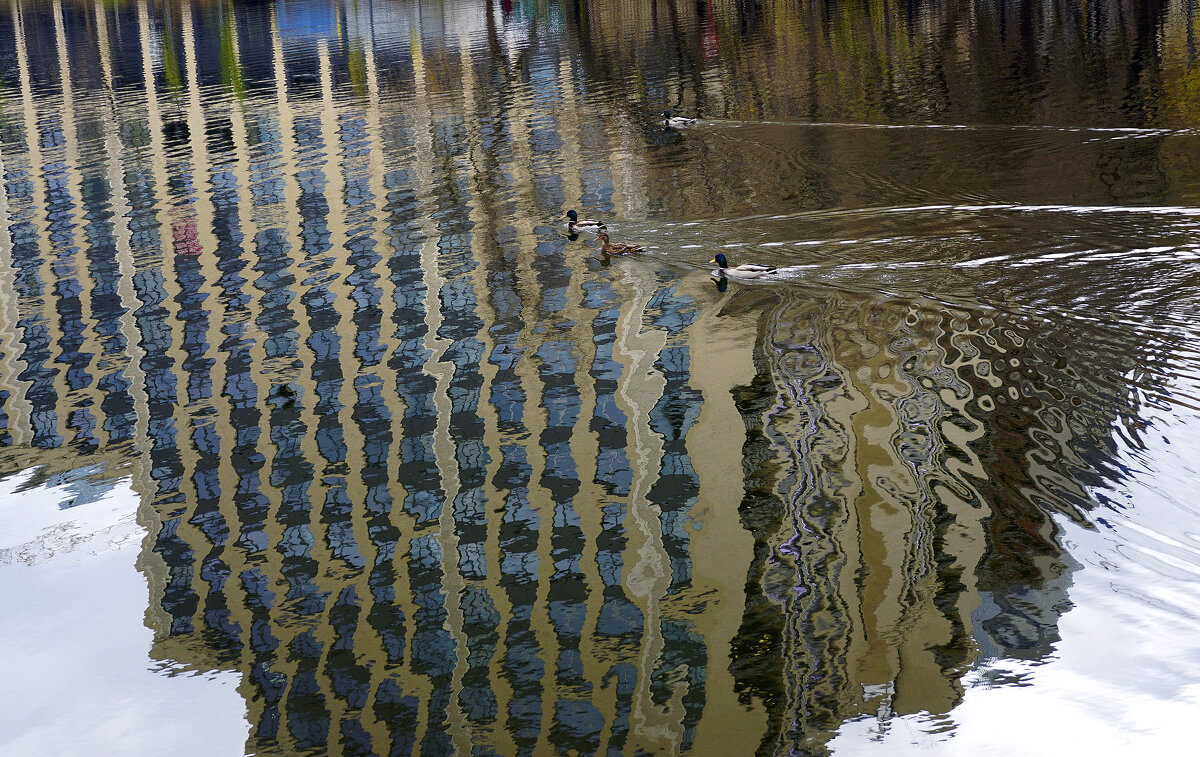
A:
(441, 372)
(640, 388)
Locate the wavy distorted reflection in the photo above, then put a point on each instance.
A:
(878, 517)
(431, 477)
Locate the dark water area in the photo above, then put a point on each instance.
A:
(321, 434)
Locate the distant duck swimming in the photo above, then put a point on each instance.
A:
(574, 224)
(617, 248)
(676, 122)
(744, 271)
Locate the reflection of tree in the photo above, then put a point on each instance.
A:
(1036, 61)
(756, 653)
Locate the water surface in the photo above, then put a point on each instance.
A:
(304, 384)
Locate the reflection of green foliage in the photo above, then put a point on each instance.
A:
(136, 134)
(170, 59)
(357, 63)
(231, 69)
(1180, 85)
(864, 50)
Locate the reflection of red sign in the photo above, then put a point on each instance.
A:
(708, 35)
(185, 236)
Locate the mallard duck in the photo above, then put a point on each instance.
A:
(617, 248)
(574, 224)
(744, 271)
(676, 122)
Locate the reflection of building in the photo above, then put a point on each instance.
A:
(403, 473)
(424, 472)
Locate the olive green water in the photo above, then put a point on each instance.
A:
(320, 434)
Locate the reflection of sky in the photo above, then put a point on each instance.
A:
(1124, 678)
(312, 19)
(77, 672)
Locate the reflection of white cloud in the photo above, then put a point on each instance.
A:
(62, 516)
(77, 671)
(1060, 712)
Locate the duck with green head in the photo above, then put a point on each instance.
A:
(744, 271)
(574, 224)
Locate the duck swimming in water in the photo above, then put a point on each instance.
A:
(617, 248)
(744, 271)
(676, 122)
(574, 224)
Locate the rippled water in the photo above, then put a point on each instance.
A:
(320, 434)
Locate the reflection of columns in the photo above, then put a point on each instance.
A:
(116, 155)
(247, 216)
(829, 445)
(519, 113)
(88, 344)
(239, 331)
(876, 540)
(441, 372)
(199, 214)
(386, 161)
(722, 360)
(287, 368)
(340, 290)
(287, 214)
(155, 123)
(959, 429)
(148, 259)
(326, 268)
(38, 195)
(158, 166)
(440, 369)
(640, 388)
(472, 165)
(247, 224)
(376, 373)
(378, 167)
(247, 333)
(17, 407)
(376, 170)
(585, 446)
(203, 215)
(335, 197)
(486, 219)
(423, 128)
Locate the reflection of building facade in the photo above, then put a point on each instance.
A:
(419, 468)
(385, 514)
